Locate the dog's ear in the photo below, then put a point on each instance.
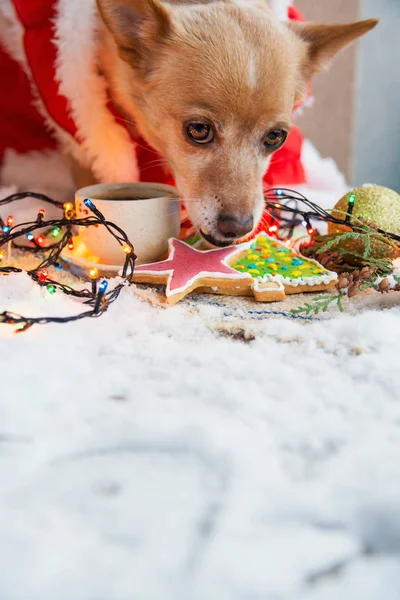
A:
(325, 41)
(138, 26)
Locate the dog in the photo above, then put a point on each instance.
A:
(209, 86)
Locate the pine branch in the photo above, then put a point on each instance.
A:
(322, 303)
(338, 239)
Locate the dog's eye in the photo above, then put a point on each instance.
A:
(274, 139)
(200, 133)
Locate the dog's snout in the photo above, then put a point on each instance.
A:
(231, 226)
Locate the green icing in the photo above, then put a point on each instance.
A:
(268, 256)
(192, 240)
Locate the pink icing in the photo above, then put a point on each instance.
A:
(185, 265)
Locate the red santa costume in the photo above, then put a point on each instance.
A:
(55, 95)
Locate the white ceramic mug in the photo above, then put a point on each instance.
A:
(148, 213)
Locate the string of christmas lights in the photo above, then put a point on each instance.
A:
(61, 233)
(287, 208)
(281, 201)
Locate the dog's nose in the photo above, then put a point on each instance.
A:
(231, 226)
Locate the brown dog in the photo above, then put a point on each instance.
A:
(212, 87)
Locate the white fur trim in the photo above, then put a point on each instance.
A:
(307, 103)
(11, 38)
(280, 8)
(11, 32)
(106, 143)
(322, 173)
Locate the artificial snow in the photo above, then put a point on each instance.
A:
(147, 456)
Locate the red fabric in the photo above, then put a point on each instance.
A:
(294, 14)
(286, 167)
(22, 128)
(41, 54)
(38, 20)
(34, 14)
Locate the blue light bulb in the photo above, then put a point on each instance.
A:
(103, 286)
(87, 202)
(279, 192)
(29, 237)
(6, 229)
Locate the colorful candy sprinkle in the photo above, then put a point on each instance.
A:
(267, 256)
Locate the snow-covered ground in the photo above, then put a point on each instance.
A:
(145, 456)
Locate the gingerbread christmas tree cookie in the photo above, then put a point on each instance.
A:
(268, 260)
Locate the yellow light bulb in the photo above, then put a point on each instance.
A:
(127, 248)
(93, 273)
(68, 210)
(2, 254)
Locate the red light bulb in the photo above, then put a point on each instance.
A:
(43, 274)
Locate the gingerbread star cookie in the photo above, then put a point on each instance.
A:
(187, 269)
(264, 268)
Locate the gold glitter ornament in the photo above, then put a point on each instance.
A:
(376, 204)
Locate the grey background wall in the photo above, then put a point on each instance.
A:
(356, 118)
(330, 122)
(377, 116)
